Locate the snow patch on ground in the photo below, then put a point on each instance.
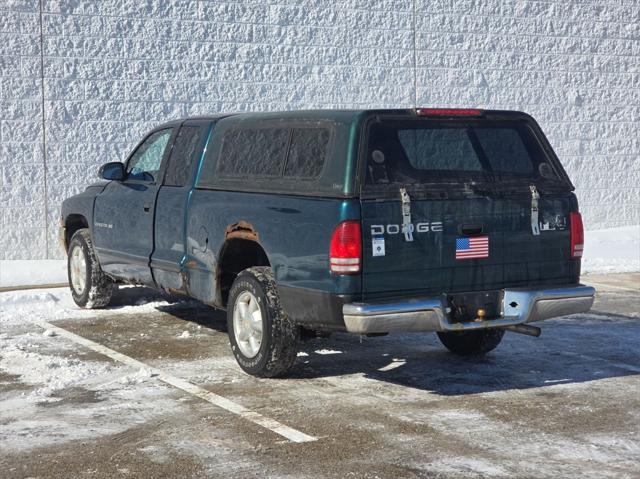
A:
(50, 373)
(61, 390)
(327, 351)
(614, 250)
(53, 374)
(32, 426)
(201, 371)
(466, 467)
(496, 436)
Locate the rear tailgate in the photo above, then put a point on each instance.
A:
(473, 185)
(514, 256)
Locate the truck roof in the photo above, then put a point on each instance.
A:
(341, 115)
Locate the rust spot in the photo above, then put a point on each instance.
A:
(191, 264)
(242, 230)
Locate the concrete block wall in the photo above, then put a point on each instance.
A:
(22, 173)
(573, 65)
(114, 68)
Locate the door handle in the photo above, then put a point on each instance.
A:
(147, 207)
(470, 230)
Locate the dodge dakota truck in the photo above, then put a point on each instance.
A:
(459, 222)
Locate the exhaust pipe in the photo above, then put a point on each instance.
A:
(524, 329)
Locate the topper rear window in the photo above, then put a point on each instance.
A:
(417, 151)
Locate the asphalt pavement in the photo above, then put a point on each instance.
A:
(149, 388)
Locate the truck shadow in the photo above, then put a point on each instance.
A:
(568, 352)
(580, 349)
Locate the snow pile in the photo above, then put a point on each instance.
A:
(32, 272)
(615, 250)
(27, 301)
(57, 303)
(140, 376)
(20, 307)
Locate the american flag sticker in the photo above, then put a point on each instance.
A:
(472, 248)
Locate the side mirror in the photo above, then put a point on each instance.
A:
(112, 171)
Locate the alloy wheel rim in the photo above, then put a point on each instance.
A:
(247, 324)
(78, 270)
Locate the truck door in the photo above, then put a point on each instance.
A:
(124, 211)
(173, 199)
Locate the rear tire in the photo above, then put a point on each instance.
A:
(472, 343)
(90, 287)
(263, 339)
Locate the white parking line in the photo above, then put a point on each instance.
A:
(287, 432)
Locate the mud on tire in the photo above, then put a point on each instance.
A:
(280, 336)
(98, 287)
(471, 343)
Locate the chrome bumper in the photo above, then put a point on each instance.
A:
(518, 306)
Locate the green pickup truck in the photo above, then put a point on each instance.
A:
(460, 222)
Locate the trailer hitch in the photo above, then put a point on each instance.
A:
(524, 329)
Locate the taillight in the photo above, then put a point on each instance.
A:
(577, 234)
(345, 252)
(448, 112)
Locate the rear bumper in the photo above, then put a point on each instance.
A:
(430, 314)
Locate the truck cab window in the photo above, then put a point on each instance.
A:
(185, 149)
(145, 162)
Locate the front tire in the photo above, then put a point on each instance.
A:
(90, 287)
(263, 339)
(472, 343)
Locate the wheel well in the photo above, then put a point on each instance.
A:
(237, 254)
(73, 223)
